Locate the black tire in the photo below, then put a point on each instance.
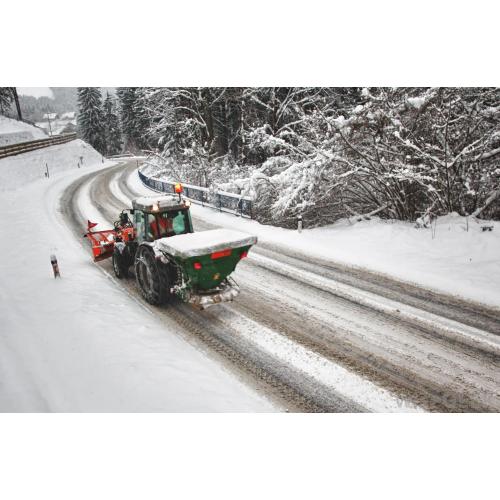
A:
(152, 277)
(120, 266)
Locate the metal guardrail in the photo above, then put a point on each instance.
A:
(24, 147)
(220, 200)
(126, 154)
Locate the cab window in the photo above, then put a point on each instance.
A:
(139, 224)
(171, 223)
(179, 223)
(151, 228)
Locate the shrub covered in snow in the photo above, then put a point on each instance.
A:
(327, 153)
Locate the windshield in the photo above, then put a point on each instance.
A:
(169, 223)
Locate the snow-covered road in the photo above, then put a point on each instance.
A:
(325, 337)
(80, 343)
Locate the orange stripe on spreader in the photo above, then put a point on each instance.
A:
(222, 253)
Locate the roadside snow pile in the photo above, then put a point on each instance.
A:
(14, 131)
(17, 171)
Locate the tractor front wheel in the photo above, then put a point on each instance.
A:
(152, 277)
(119, 265)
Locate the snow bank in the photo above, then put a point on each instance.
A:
(204, 242)
(17, 171)
(14, 131)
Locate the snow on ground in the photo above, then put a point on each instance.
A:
(323, 370)
(19, 170)
(455, 257)
(58, 125)
(79, 343)
(13, 131)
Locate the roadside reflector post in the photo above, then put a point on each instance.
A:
(47, 170)
(55, 266)
(299, 223)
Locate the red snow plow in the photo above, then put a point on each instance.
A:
(103, 242)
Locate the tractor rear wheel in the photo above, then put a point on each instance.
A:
(152, 277)
(119, 265)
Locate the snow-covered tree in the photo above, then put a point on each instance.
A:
(326, 153)
(134, 116)
(417, 150)
(91, 117)
(6, 98)
(112, 129)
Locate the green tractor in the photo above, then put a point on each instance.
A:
(156, 238)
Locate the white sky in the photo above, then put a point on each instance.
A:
(35, 91)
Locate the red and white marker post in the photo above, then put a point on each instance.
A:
(55, 266)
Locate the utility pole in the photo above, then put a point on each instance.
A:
(48, 118)
(16, 98)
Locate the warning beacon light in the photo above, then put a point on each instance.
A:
(178, 188)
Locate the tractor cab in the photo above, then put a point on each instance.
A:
(156, 217)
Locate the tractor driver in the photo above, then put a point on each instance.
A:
(161, 226)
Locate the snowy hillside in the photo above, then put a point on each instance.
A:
(14, 131)
(17, 171)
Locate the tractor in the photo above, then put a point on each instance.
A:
(156, 238)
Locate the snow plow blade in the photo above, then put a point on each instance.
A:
(103, 243)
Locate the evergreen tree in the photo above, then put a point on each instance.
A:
(134, 118)
(112, 130)
(6, 98)
(91, 117)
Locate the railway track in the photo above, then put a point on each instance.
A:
(25, 147)
(311, 340)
